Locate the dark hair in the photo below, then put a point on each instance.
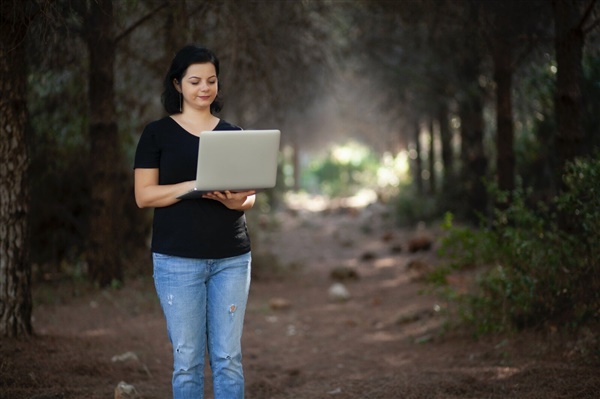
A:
(188, 55)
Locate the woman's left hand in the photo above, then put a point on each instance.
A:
(240, 200)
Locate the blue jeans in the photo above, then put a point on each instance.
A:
(204, 302)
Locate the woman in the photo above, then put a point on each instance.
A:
(200, 248)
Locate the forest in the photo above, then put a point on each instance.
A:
(479, 117)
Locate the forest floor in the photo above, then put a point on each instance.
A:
(387, 340)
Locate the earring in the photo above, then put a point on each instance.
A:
(180, 102)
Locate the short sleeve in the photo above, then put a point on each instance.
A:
(147, 154)
(224, 125)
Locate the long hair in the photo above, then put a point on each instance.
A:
(188, 55)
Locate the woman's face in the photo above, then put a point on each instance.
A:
(199, 86)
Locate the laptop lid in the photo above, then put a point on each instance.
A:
(236, 160)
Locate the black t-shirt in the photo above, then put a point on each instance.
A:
(191, 228)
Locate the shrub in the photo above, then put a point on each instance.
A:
(543, 262)
(412, 207)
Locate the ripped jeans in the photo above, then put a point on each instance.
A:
(204, 302)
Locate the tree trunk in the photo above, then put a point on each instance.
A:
(15, 270)
(470, 111)
(418, 169)
(296, 163)
(446, 141)
(569, 105)
(104, 260)
(432, 179)
(505, 156)
(474, 161)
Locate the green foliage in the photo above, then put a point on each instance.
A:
(542, 263)
(535, 124)
(580, 203)
(411, 207)
(463, 246)
(343, 171)
(535, 119)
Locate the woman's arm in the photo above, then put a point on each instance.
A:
(149, 194)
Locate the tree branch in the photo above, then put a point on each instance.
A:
(586, 15)
(592, 26)
(139, 22)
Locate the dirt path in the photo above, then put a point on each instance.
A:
(385, 341)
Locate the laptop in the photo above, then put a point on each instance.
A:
(235, 160)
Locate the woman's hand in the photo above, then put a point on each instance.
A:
(239, 201)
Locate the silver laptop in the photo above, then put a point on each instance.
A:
(235, 160)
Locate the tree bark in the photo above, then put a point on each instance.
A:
(569, 38)
(470, 111)
(505, 156)
(104, 260)
(15, 270)
(446, 141)
(432, 158)
(418, 167)
(474, 161)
